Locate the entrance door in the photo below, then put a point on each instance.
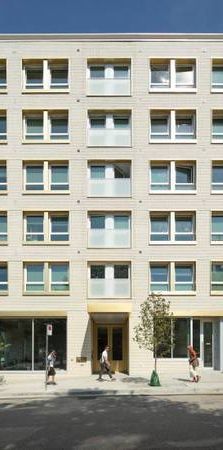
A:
(115, 337)
(208, 352)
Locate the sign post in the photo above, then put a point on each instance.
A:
(49, 332)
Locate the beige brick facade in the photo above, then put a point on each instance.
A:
(138, 50)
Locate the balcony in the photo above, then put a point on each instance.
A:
(108, 238)
(104, 288)
(108, 86)
(109, 138)
(113, 187)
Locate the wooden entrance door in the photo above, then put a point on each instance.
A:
(114, 336)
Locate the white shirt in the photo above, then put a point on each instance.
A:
(104, 356)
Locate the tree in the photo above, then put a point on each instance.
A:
(3, 345)
(153, 332)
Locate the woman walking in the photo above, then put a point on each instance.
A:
(193, 364)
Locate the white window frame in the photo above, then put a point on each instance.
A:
(216, 114)
(172, 115)
(4, 283)
(4, 242)
(173, 86)
(216, 62)
(46, 134)
(3, 65)
(47, 227)
(171, 215)
(213, 241)
(3, 136)
(164, 283)
(4, 191)
(26, 283)
(47, 181)
(171, 277)
(109, 119)
(220, 283)
(58, 283)
(109, 72)
(172, 165)
(46, 278)
(47, 65)
(216, 191)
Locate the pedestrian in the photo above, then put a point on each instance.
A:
(105, 366)
(193, 363)
(50, 367)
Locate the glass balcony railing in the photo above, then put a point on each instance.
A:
(109, 187)
(108, 238)
(102, 288)
(109, 87)
(109, 137)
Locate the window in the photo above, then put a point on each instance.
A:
(172, 277)
(159, 277)
(46, 126)
(34, 277)
(3, 80)
(183, 332)
(109, 230)
(217, 276)
(185, 75)
(58, 127)
(108, 78)
(172, 125)
(109, 179)
(160, 127)
(45, 75)
(217, 227)
(46, 176)
(3, 177)
(217, 126)
(109, 280)
(184, 277)
(160, 75)
(59, 228)
(185, 227)
(217, 176)
(34, 127)
(3, 227)
(172, 74)
(58, 74)
(217, 74)
(172, 227)
(3, 277)
(34, 228)
(172, 176)
(159, 228)
(59, 277)
(109, 129)
(3, 131)
(34, 76)
(46, 227)
(46, 277)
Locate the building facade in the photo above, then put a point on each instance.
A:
(111, 187)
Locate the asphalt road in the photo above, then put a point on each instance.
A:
(112, 423)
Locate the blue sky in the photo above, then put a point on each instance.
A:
(91, 16)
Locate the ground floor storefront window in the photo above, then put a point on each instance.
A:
(184, 332)
(25, 341)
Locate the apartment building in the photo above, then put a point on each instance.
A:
(111, 187)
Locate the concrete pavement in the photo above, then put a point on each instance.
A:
(32, 385)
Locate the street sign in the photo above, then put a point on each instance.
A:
(49, 329)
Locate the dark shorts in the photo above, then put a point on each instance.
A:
(51, 372)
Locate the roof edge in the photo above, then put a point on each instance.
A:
(109, 36)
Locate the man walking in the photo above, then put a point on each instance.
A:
(105, 366)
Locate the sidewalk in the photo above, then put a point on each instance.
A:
(32, 385)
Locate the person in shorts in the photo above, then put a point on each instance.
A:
(193, 364)
(50, 367)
